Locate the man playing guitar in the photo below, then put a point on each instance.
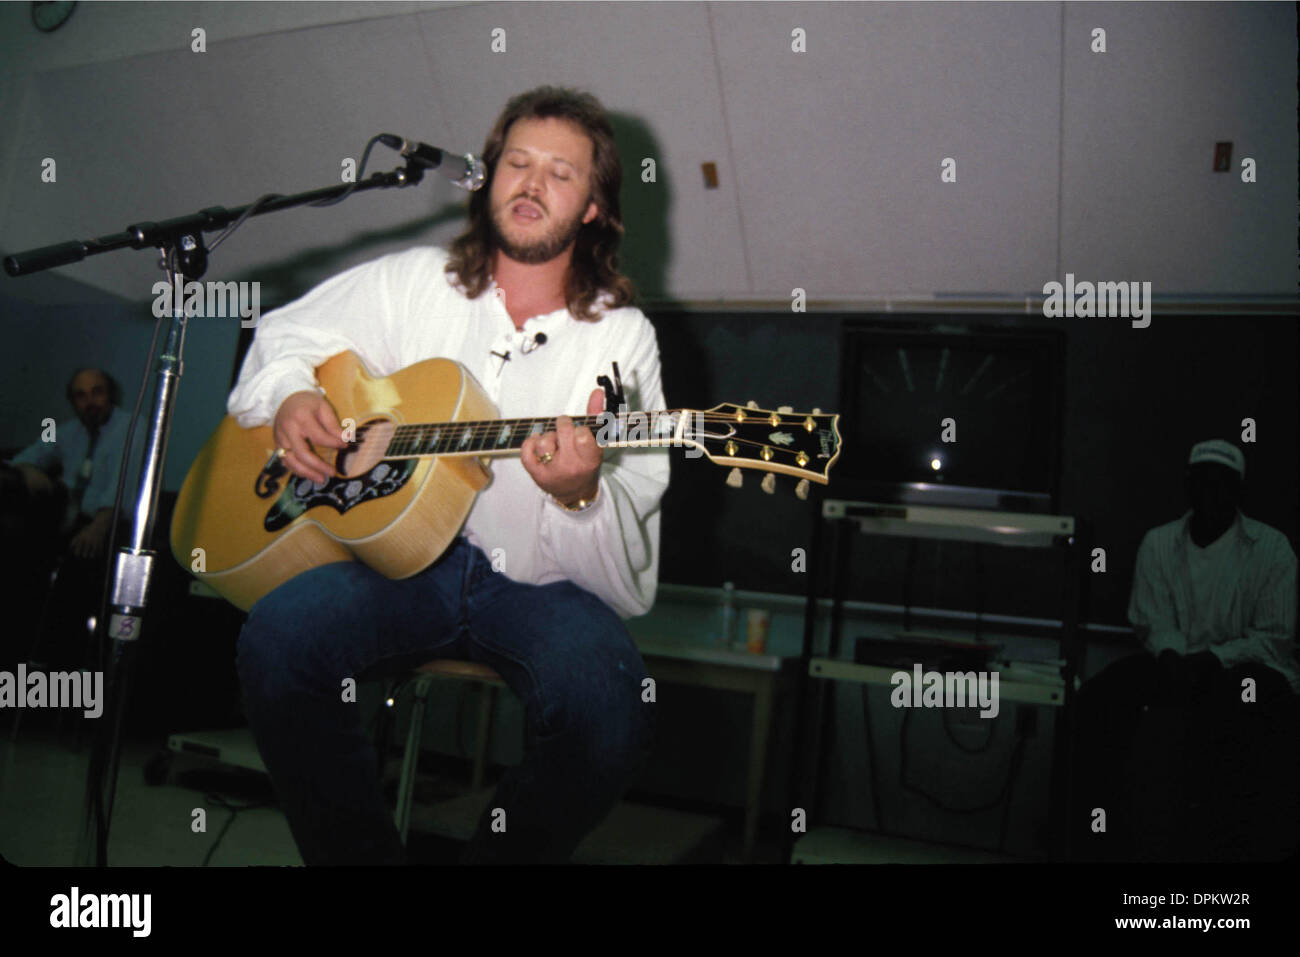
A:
(557, 549)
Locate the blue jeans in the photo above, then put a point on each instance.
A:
(563, 652)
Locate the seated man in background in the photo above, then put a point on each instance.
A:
(65, 483)
(1214, 607)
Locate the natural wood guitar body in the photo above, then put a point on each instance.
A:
(397, 517)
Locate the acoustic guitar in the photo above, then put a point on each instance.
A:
(420, 443)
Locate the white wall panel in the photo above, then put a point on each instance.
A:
(1141, 200)
(165, 134)
(829, 160)
(649, 63)
(102, 31)
(839, 148)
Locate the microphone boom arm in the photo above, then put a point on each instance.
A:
(148, 234)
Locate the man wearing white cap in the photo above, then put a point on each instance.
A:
(1214, 581)
(1185, 767)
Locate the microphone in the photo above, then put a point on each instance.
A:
(469, 173)
(537, 340)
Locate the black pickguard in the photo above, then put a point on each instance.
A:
(341, 494)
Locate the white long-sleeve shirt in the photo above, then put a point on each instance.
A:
(401, 309)
(1235, 598)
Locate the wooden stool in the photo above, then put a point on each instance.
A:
(460, 671)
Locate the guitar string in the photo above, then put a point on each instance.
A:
(488, 428)
(394, 453)
(495, 426)
(692, 413)
(390, 453)
(491, 426)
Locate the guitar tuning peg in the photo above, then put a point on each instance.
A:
(801, 490)
(786, 409)
(769, 483)
(734, 478)
(751, 404)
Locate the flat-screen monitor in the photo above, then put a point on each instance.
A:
(940, 413)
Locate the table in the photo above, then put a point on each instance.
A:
(765, 677)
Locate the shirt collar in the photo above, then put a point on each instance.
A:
(547, 321)
(1248, 527)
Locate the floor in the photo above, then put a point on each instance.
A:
(42, 788)
(178, 810)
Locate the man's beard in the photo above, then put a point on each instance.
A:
(92, 419)
(540, 250)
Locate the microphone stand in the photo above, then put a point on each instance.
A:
(184, 257)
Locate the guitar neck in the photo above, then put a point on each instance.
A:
(505, 436)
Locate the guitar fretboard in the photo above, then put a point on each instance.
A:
(500, 436)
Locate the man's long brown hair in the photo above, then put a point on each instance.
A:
(594, 268)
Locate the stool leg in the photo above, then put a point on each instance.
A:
(486, 699)
(410, 760)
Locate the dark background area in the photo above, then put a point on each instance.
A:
(1136, 400)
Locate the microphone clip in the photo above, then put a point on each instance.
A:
(614, 397)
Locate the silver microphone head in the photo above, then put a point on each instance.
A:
(475, 173)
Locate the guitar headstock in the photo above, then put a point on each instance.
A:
(800, 444)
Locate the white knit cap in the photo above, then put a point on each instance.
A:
(1220, 453)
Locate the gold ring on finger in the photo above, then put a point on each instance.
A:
(546, 457)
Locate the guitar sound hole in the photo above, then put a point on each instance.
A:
(367, 450)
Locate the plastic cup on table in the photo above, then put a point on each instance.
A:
(757, 622)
